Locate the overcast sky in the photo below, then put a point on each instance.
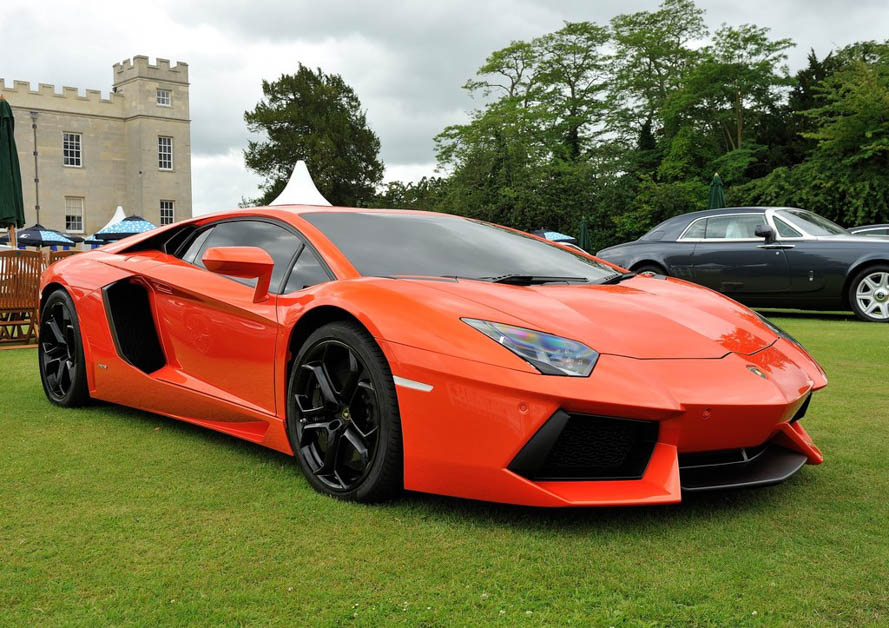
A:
(406, 60)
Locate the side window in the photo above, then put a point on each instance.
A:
(734, 227)
(191, 253)
(279, 243)
(785, 230)
(307, 271)
(697, 230)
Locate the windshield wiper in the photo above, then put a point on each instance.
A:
(616, 278)
(530, 280)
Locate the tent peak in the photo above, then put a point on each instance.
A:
(300, 190)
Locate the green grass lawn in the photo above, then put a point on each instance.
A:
(111, 516)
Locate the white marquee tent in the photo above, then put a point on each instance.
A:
(300, 190)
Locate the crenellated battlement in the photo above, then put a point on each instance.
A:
(139, 67)
(21, 92)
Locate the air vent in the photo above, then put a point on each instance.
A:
(132, 325)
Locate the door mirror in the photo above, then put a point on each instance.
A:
(247, 262)
(764, 231)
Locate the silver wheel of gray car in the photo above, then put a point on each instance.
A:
(871, 294)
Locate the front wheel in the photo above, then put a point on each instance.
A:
(869, 294)
(60, 352)
(342, 415)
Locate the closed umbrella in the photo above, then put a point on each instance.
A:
(585, 241)
(126, 227)
(38, 235)
(12, 207)
(717, 199)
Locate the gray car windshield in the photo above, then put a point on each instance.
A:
(393, 244)
(813, 224)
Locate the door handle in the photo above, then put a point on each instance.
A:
(776, 246)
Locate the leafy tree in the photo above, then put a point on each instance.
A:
(653, 54)
(625, 126)
(846, 176)
(316, 117)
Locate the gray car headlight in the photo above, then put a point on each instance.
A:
(549, 354)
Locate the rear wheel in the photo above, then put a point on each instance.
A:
(342, 415)
(60, 352)
(869, 294)
(650, 268)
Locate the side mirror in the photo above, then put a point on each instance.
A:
(764, 231)
(248, 262)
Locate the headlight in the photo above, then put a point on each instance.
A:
(779, 331)
(551, 355)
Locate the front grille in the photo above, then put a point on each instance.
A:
(586, 447)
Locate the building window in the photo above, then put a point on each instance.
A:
(164, 98)
(165, 153)
(168, 213)
(71, 150)
(73, 214)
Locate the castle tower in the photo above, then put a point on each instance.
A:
(93, 154)
(157, 135)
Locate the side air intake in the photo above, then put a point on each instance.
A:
(132, 325)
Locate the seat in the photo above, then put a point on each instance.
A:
(19, 285)
(734, 231)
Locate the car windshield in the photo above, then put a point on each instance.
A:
(391, 244)
(811, 223)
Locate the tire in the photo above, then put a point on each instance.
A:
(60, 352)
(869, 294)
(650, 268)
(340, 390)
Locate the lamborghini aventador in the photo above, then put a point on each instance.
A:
(390, 350)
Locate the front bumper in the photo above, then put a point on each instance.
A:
(463, 436)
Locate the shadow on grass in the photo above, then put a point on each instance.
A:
(190, 430)
(710, 506)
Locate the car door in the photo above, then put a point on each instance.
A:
(730, 258)
(217, 340)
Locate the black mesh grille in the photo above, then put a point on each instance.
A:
(588, 448)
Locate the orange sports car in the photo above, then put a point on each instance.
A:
(391, 350)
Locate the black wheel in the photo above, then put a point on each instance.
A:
(342, 415)
(869, 294)
(60, 352)
(650, 268)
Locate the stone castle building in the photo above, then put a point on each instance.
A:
(132, 149)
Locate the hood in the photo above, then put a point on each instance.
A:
(643, 317)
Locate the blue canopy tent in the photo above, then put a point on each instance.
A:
(555, 236)
(126, 227)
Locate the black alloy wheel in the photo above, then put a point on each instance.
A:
(342, 415)
(60, 352)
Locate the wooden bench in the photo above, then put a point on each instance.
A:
(19, 285)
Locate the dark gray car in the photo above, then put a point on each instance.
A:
(768, 257)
